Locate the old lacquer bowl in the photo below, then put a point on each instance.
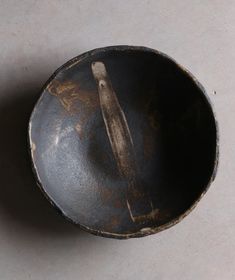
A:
(123, 141)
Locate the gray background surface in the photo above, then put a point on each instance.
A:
(36, 37)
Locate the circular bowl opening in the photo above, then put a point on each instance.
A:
(123, 141)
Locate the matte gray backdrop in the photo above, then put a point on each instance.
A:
(36, 37)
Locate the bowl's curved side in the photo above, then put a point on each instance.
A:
(143, 231)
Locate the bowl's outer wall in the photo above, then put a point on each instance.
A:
(173, 129)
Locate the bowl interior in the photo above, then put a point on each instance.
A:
(171, 124)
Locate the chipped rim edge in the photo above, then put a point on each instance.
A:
(145, 231)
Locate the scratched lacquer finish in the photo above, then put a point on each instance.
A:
(123, 141)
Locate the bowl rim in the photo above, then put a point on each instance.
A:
(144, 231)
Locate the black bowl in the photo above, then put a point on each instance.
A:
(123, 141)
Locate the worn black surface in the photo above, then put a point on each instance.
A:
(171, 123)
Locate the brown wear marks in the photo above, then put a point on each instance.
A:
(71, 98)
(113, 223)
